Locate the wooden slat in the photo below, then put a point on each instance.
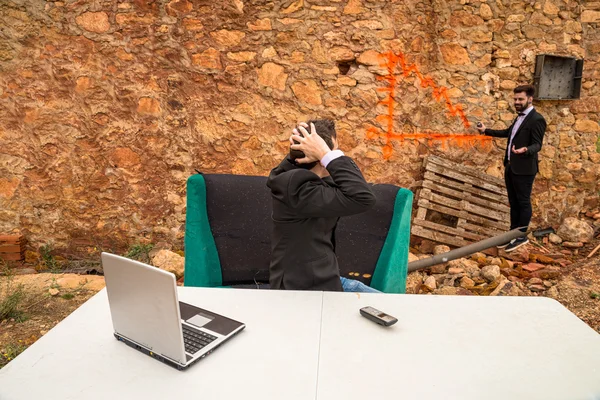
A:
(422, 212)
(465, 187)
(14, 248)
(466, 170)
(436, 198)
(466, 196)
(469, 179)
(432, 176)
(480, 229)
(463, 205)
(461, 214)
(438, 236)
(11, 238)
(448, 229)
(11, 256)
(486, 212)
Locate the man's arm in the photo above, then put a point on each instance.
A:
(503, 133)
(311, 198)
(493, 132)
(537, 136)
(285, 165)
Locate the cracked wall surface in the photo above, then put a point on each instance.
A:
(107, 107)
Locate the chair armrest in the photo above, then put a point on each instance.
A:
(392, 266)
(202, 265)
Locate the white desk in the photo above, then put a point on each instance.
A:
(307, 345)
(274, 357)
(456, 347)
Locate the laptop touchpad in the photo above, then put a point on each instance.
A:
(199, 320)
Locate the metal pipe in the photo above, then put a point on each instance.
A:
(467, 250)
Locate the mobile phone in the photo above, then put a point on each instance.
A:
(377, 316)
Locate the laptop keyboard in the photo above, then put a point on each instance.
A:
(195, 340)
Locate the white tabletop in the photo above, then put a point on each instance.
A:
(275, 357)
(306, 345)
(456, 347)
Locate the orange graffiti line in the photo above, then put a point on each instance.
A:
(463, 140)
(383, 119)
(372, 133)
(439, 93)
(389, 101)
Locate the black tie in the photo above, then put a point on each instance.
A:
(520, 114)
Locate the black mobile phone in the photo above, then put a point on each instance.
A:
(377, 316)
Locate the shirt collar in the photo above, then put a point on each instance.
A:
(527, 111)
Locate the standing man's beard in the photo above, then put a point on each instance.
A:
(520, 107)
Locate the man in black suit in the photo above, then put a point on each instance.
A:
(525, 136)
(311, 189)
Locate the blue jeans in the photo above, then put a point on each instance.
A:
(351, 285)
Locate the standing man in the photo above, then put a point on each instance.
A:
(312, 188)
(525, 136)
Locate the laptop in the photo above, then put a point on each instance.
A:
(147, 315)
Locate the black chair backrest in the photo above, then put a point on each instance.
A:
(239, 212)
(360, 237)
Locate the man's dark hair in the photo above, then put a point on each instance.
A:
(326, 130)
(528, 89)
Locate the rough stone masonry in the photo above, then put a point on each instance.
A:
(106, 107)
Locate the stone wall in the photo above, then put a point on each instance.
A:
(106, 107)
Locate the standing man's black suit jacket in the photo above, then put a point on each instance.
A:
(530, 135)
(306, 210)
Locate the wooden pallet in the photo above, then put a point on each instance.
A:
(477, 204)
(12, 248)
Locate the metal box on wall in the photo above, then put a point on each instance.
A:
(557, 77)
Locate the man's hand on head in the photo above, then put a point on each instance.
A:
(311, 144)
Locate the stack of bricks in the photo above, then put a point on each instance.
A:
(12, 248)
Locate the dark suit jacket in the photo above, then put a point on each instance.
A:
(306, 210)
(530, 135)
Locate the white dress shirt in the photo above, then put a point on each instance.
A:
(330, 156)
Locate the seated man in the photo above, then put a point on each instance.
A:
(311, 189)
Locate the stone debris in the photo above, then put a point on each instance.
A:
(430, 282)
(169, 261)
(575, 230)
(555, 239)
(532, 267)
(527, 274)
(573, 245)
(491, 272)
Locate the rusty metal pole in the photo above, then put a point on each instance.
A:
(467, 250)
